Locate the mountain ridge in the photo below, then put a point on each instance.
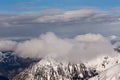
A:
(50, 69)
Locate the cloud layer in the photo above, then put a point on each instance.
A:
(81, 48)
(7, 45)
(89, 20)
(57, 16)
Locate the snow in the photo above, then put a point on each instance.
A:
(112, 73)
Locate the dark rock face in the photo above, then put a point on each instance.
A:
(117, 49)
(3, 78)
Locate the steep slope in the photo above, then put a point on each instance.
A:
(109, 69)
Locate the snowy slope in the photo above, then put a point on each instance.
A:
(108, 68)
(103, 63)
(112, 73)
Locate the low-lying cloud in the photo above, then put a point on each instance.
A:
(82, 47)
(7, 45)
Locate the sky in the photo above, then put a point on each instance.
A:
(18, 6)
(24, 6)
(25, 19)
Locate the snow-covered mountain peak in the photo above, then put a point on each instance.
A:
(50, 68)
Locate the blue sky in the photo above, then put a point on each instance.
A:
(18, 6)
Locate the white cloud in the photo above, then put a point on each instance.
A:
(81, 48)
(7, 45)
(86, 47)
(77, 21)
(42, 46)
(90, 38)
(66, 16)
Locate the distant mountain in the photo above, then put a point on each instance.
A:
(11, 65)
